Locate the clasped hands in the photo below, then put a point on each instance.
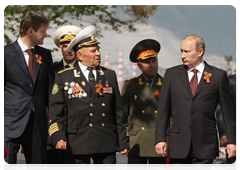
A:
(161, 149)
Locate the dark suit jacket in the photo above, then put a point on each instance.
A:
(20, 92)
(219, 116)
(95, 124)
(193, 117)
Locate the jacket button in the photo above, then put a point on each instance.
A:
(155, 111)
(103, 124)
(103, 104)
(103, 114)
(91, 114)
(91, 104)
(90, 125)
(143, 111)
(143, 128)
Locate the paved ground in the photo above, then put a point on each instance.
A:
(121, 163)
(121, 159)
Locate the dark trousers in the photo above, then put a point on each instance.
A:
(101, 158)
(34, 147)
(232, 163)
(145, 160)
(191, 159)
(55, 156)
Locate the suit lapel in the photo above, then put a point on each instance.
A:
(20, 59)
(147, 95)
(183, 74)
(202, 82)
(35, 64)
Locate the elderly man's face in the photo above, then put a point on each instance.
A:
(89, 56)
(149, 67)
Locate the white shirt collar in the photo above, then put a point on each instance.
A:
(200, 67)
(83, 67)
(22, 46)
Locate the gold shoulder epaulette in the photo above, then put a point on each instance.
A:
(66, 69)
(134, 78)
(107, 68)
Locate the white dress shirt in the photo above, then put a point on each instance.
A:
(199, 68)
(24, 48)
(86, 71)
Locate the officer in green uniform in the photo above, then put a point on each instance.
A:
(140, 97)
(95, 119)
(62, 37)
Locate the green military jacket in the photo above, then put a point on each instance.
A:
(140, 105)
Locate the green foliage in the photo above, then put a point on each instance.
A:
(58, 15)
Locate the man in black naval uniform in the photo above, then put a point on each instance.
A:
(95, 119)
(62, 37)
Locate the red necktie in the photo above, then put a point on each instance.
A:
(30, 62)
(194, 81)
(30, 66)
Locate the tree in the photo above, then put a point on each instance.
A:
(59, 15)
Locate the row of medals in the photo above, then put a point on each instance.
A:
(74, 90)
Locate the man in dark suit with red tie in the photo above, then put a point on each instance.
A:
(191, 93)
(28, 80)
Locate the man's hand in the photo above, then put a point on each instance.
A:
(161, 148)
(223, 141)
(61, 144)
(231, 150)
(124, 151)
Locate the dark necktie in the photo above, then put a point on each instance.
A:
(194, 81)
(91, 77)
(30, 62)
(149, 83)
(67, 66)
(30, 66)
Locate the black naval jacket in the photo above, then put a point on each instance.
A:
(95, 124)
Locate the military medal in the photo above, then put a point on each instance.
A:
(106, 83)
(74, 90)
(80, 95)
(84, 94)
(83, 83)
(107, 89)
(72, 84)
(66, 86)
(70, 91)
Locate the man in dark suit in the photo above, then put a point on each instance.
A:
(192, 91)
(140, 98)
(95, 120)
(28, 80)
(62, 37)
(219, 117)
